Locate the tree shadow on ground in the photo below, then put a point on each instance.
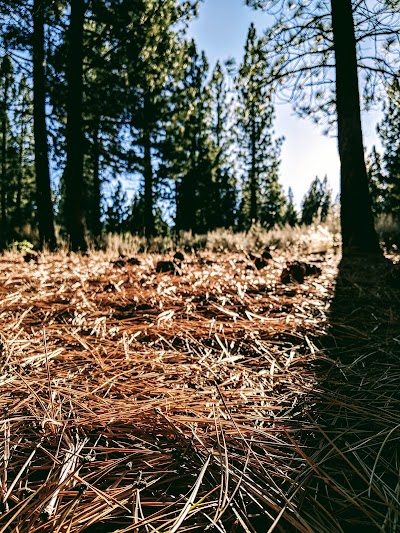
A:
(351, 476)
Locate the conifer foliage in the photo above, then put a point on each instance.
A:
(319, 54)
(317, 202)
(259, 151)
(389, 131)
(96, 93)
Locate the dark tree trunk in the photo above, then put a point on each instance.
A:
(18, 200)
(253, 173)
(6, 70)
(96, 202)
(74, 183)
(358, 232)
(148, 187)
(149, 224)
(186, 197)
(45, 215)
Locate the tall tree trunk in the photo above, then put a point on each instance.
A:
(358, 232)
(149, 223)
(188, 206)
(6, 71)
(253, 173)
(149, 226)
(20, 175)
(74, 183)
(45, 215)
(96, 191)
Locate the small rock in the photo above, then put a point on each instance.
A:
(119, 263)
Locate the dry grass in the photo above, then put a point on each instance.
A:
(144, 402)
(299, 239)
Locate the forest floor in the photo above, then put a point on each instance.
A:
(215, 398)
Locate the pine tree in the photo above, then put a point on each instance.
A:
(117, 211)
(317, 202)
(21, 198)
(378, 188)
(152, 58)
(73, 174)
(290, 216)
(135, 220)
(316, 51)
(225, 195)
(45, 215)
(103, 80)
(6, 71)
(24, 25)
(389, 132)
(189, 149)
(259, 151)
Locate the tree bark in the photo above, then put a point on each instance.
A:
(74, 183)
(96, 191)
(253, 172)
(358, 232)
(45, 215)
(187, 206)
(148, 187)
(149, 224)
(20, 175)
(6, 71)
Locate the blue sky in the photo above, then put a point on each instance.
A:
(221, 31)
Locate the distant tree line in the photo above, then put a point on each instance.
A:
(97, 94)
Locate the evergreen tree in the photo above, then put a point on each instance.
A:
(224, 183)
(378, 188)
(259, 152)
(197, 149)
(6, 71)
(45, 215)
(17, 176)
(103, 81)
(389, 132)
(24, 25)
(307, 41)
(136, 218)
(152, 59)
(290, 216)
(21, 198)
(189, 149)
(117, 211)
(73, 174)
(317, 202)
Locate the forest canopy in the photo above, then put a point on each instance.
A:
(102, 97)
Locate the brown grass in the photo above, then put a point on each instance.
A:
(144, 402)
